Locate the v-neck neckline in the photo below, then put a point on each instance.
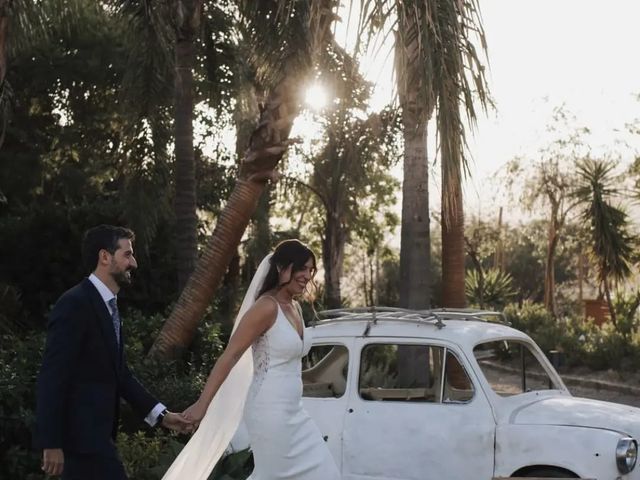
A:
(301, 337)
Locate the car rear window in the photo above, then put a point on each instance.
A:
(413, 373)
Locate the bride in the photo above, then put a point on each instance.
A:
(264, 387)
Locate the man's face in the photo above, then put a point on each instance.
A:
(122, 263)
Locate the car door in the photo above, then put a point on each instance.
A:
(416, 414)
(325, 371)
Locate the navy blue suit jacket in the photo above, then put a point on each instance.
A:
(83, 376)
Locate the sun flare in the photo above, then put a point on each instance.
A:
(316, 97)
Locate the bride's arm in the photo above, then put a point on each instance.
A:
(258, 319)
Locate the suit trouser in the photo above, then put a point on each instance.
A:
(93, 466)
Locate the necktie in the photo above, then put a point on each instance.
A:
(115, 318)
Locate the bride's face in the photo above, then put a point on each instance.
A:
(298, 279)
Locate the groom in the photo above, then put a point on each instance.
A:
(84, 370)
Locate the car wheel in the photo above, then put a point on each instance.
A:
(548, 473)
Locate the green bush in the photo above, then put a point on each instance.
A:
(147, 456)
(537, 322)
(19, 362)
(584, 343)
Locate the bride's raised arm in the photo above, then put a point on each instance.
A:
(258, 319)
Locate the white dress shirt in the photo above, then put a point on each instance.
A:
(107, 295)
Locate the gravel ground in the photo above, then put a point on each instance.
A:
(606, 395)
(509, 383)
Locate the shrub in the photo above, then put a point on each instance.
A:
(584, 343)
(19, 363)
(147, 456)
(537, 322)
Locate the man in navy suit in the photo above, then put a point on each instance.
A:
(84, 370)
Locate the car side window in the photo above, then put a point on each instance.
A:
(412, 373)
(324, 371)
(511, 368)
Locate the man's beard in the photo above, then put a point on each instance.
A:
(121, 278)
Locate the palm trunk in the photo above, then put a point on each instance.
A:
(189, 14)
(612, 310)
(415, 248)
(185, 170)
(453, 253)
(452, 223)
(549, 270)
(333, 258)
(415, 241)
(180, 327)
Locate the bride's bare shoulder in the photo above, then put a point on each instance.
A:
(266, 305)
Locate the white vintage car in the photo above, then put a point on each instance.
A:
(454, 395)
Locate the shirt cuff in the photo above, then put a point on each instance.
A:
(152, 418)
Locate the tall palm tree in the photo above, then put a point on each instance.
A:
(284, 36)
(613, 247)
(166, 39)
(459, 76)
(417, 108)
(439, 71)
(188, 17)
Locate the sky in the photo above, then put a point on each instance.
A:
(543, 54)
(546, 53)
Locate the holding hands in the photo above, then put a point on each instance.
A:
(195, 413)
(177, 422)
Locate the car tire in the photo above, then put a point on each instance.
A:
(548, 473)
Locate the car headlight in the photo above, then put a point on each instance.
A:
(626, 454)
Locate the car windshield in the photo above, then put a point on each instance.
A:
(511, 368)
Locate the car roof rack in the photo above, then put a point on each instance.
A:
(435, 316)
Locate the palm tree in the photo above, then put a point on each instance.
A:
(166, 38)
(417, 106)
(438, 70)
(459, 76)
(188, 16)
(613, 247)
(284, 36)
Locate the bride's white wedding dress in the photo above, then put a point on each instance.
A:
(285, 441)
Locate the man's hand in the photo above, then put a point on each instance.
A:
(177, 423)
(52, 461)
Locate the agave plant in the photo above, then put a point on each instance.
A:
(492, 288)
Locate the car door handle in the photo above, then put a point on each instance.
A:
(350, 410)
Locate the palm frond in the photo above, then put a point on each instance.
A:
(613, 245)
(148, 77)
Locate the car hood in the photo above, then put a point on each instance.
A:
(579, 412)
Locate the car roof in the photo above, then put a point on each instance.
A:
(465, 327)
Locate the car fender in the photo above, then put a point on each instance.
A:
(587, 452)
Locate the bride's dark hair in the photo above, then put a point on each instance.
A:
(287, 252)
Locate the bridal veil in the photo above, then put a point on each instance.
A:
(209, 442)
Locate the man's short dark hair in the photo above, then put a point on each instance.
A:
(102, 237)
